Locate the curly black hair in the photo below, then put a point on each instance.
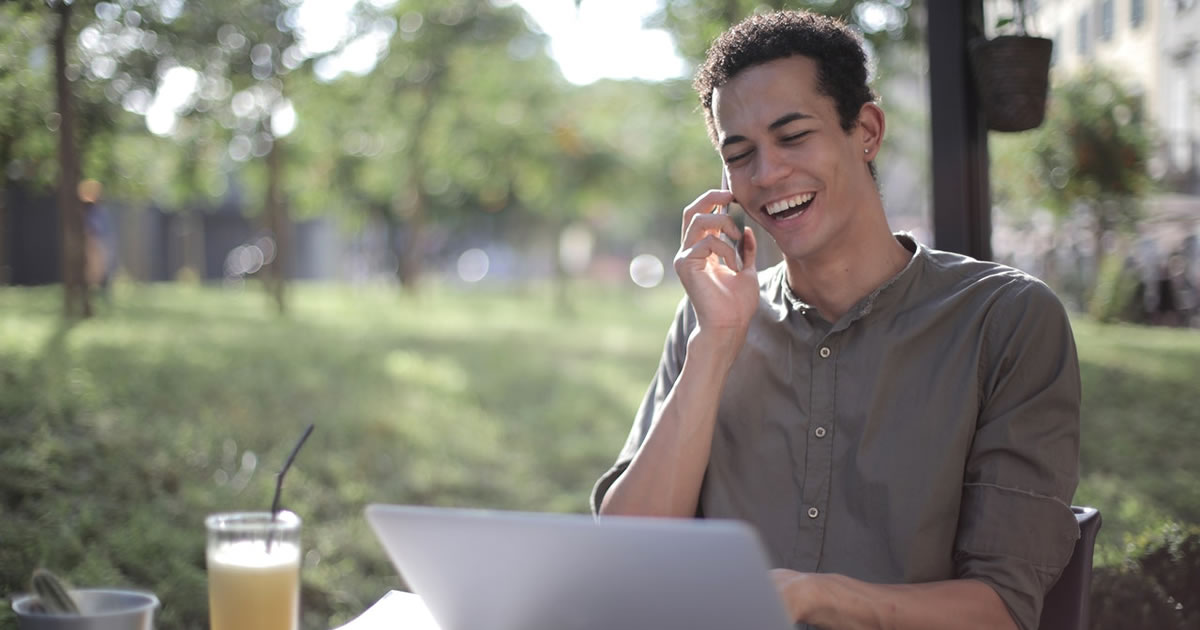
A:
(837, 50)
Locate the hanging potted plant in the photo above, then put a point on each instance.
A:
(1012, 74)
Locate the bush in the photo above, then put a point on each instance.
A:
(1115, 295)
(1158, 585)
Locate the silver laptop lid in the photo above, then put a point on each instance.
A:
(529, 571)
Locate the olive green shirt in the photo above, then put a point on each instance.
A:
(931, 433)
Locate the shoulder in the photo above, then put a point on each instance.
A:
(1018, 317)
(993, 284)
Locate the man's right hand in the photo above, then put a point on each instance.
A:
(664, 476)
(724, 299)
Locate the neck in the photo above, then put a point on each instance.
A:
(834, 281)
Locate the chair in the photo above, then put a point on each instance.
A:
(1066, 605)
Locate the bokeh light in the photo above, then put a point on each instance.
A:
(646, 270)
(473, 265)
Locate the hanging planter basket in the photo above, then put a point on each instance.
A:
(1012, 74)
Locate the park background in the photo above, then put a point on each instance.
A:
(442, 232)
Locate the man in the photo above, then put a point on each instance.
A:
(901, 425)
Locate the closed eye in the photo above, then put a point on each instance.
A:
(795, 136)
(734, 158)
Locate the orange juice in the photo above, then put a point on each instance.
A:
(250, 588)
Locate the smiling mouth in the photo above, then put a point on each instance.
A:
(790, 207)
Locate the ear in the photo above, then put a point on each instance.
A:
(871, 125)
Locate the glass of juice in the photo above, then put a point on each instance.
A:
(253, 571)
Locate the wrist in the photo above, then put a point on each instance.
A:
(718, 347)
(819, 605)
(804, 596)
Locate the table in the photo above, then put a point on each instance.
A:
(396, 609)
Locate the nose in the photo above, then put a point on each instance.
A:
(769, 167)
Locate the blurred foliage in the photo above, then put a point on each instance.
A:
(26, 96)
(1114, 296)
(1089, 155)
(461, 119)
(463, 122)
(1098, 137)
(1156, 586)
(114, 56)
(123, 431)
(696, 23)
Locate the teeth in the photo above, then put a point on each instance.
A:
(776, 207)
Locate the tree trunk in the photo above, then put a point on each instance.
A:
(5, 158)
(412, 259)
(4, 266)
(1101, 225)
(278, 226)
(563, 304)
(391, 229)
(76, 301)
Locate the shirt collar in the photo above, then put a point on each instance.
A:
(783, 299)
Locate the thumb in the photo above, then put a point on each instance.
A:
(749, 249)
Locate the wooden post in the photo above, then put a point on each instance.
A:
(961, 191)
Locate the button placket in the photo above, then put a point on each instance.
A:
(818, 454)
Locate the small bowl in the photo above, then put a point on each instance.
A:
(103, 609)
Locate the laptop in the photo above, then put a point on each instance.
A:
(531, 571)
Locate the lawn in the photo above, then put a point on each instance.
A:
(1140, 452)
(122, 432)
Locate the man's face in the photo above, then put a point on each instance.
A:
(791, 166)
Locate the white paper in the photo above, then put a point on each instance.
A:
(397, 610)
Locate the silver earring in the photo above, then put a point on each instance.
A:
(866, 150)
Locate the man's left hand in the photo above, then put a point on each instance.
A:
(841, 603)
(797, 590)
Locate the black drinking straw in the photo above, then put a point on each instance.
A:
(279, 481)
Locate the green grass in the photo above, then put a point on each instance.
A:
(1140, 452)
(120, 433)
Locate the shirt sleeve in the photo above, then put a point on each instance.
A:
(669, 367)
(1016, 530)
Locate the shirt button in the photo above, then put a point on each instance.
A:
(825, 352)
(820, 432)
(813, 512)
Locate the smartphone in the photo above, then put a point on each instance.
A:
(735, 244)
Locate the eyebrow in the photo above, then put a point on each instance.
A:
(779, 122)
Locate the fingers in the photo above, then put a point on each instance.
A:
(706, 224)
(704, 205)
(698, 254)
(749, 246)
